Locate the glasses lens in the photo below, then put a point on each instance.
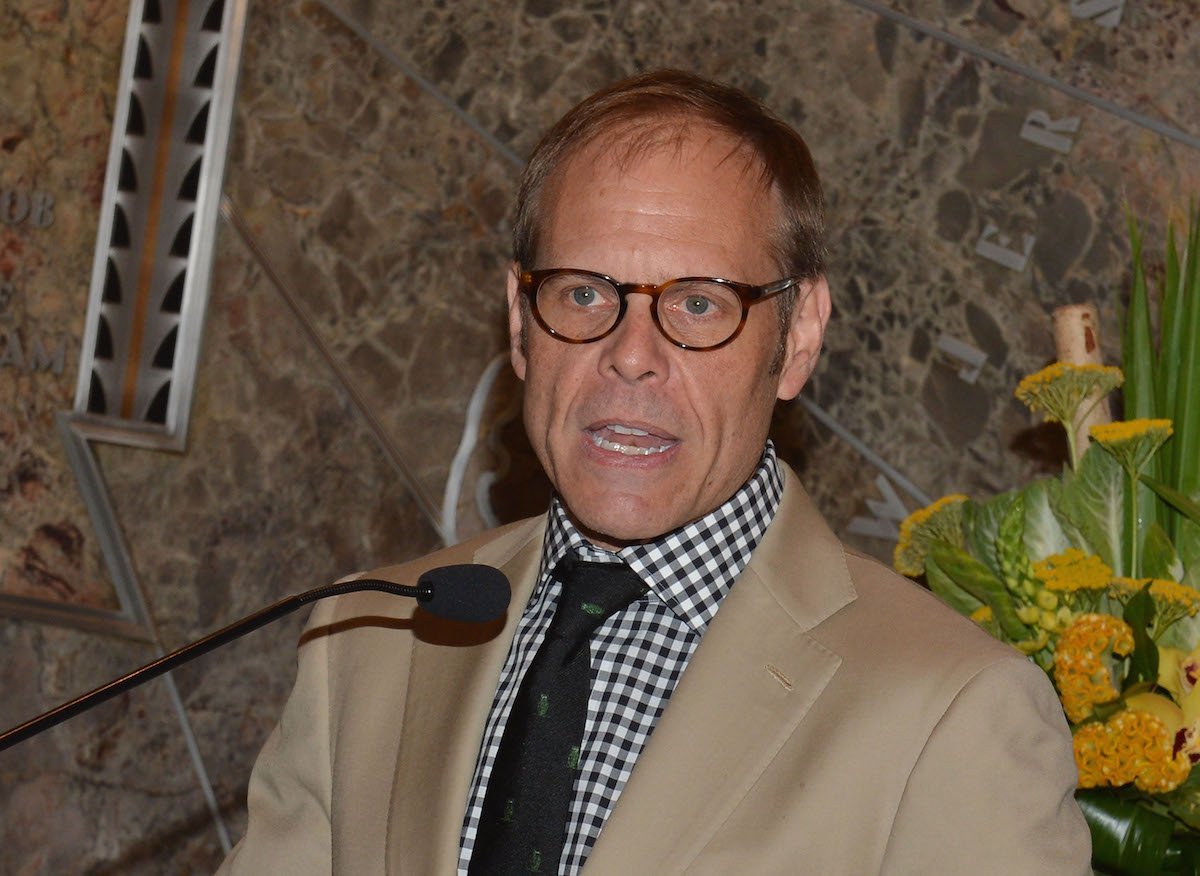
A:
(699, 313)
(578, 306)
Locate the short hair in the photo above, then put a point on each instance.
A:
(786, 166)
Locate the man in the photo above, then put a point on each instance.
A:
(760, 700)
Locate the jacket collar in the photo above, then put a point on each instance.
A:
(800, 561)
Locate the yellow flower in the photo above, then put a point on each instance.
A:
(982, 615)
(1083, 678)
(1090, 744)
(1187, 743)
(1169, 670)
(1032, 646)
(1058, 390)
(1028, 614)
(941, 521)
(1162, 589)
(1161, 707)
(1189, 701)
(1073, 570)
(1181, 595)
(1133, 746)
(1124, 431)
(1132, 442)
(1172, 600)
(1189, 673)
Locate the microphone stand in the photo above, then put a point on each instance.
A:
(423, 592)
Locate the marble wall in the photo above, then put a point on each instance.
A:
(357, 299)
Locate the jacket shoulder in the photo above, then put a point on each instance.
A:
(491, 548)
(906, 626)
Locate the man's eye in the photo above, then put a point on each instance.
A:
(697, 305)
(584, 296)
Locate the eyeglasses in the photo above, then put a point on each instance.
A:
(696, 313)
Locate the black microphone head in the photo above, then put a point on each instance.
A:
(468, 592)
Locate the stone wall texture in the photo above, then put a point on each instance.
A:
(357, 301)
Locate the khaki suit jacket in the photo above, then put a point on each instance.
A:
(835, 719)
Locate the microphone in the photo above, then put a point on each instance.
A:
(468, 592)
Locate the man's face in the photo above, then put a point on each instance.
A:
(593, 410)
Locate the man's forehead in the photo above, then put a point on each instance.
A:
(674, 209)
(688, 179)
(631, 144)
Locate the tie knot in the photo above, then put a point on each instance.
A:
(592, 592)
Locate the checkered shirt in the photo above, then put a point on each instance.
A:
(638, 654)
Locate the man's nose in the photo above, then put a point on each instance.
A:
(636, 350)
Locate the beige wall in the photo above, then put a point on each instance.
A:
(382, 214)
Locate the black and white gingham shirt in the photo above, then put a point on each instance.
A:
(638, 654)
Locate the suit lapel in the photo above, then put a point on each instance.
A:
(450, 691)
(751, 681)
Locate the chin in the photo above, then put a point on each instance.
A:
(606, 528)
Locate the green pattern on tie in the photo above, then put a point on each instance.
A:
(523, 823)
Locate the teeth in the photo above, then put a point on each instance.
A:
(626, 449)
(626, 430)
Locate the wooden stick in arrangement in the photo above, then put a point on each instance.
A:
(1077, 342)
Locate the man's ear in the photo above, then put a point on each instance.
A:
(804, 338)
(517, 333)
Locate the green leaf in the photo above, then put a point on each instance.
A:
(1184, 634)
(1186, 505)
(1188, 545)
(1127, 837)
(1183, 855)
(1170, 330)
(1159, 559)
(981, 524)
(1091, 503)
(1184, 801)
(1138, 364)
(1186, 449)
(1010, 544)
(1044, 535)
(1137, 346)
(1139, 614)
(947, 590)
(1170, 342)
(979, 581)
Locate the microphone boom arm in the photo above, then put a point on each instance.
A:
(423, 592)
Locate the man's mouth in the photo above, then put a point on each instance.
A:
(629, 440)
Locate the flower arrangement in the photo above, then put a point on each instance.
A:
(1095, 574)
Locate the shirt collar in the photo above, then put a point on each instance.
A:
(692, 568)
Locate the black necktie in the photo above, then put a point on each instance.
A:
(523, 824)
